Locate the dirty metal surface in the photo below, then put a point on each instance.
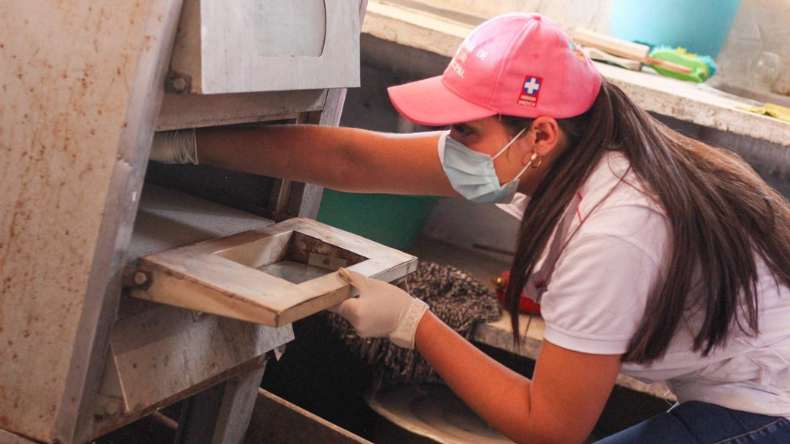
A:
(221, 414)
(66, 78)
(275, 420)
(167, 219)
(162, 352)
(108, 423)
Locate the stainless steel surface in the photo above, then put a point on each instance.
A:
(220, 414)
(196, 110)
(169, 219)
(312, 44)
(238, 402)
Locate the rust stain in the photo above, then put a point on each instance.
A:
(11, 235)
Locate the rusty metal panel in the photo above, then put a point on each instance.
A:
(66, 79)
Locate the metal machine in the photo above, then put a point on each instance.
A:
(128, 286)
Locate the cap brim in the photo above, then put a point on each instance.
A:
(428, 102)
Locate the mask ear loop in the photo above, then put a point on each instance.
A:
(531, 160)
(531, 163)
(509, 143)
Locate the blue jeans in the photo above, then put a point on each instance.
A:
(697, 422)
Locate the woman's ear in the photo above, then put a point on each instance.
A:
(545, 135)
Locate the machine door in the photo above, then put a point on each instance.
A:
(277, 45)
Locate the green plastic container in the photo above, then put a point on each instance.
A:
(388, 219)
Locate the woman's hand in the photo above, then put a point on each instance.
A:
(381, 310)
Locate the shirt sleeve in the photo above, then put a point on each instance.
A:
(598, 292)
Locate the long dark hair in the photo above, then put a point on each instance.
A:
(721, 214)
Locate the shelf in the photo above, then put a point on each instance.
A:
(168, 219)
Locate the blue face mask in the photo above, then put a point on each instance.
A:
(473, 175)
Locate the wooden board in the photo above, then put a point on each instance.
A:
(277, 45)
(275, 420)
(224, 276)
(625, 49)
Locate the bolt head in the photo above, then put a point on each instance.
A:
(111, 408)
(140, 278)
(179, 84)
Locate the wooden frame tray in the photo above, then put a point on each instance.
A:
(272, 276)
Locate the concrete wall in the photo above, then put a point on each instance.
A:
(761, 25)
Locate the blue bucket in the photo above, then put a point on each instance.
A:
(700, 26)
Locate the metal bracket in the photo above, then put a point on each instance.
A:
(132, 277)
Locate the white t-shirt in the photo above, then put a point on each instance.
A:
(598, 292)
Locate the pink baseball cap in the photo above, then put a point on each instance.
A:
(515, 64)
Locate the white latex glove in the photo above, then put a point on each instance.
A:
(177, 146)
(381, 310)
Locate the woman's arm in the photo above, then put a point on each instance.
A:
(561, 404)
(344, 159)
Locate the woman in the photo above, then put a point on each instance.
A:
(651, 254)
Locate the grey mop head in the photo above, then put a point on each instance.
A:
(454, 296)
